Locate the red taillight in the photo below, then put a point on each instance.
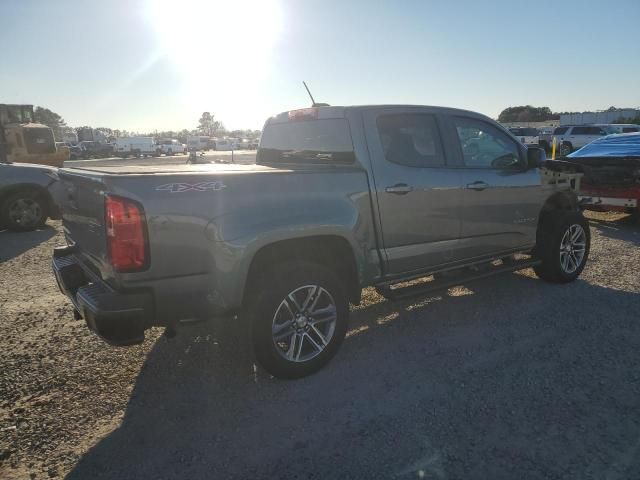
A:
(126, 234)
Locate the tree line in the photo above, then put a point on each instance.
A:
(208, 126)
(528, 113)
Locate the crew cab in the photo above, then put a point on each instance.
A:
(340, 198)
(170, 146)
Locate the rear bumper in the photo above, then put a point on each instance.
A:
(118, 318)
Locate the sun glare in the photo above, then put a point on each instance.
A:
(221, 49)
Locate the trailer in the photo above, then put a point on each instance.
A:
(611, 168)
(135, 147)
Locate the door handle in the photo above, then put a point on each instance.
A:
(479, 186)
(399, 189)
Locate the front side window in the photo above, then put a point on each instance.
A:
(560, 130)
(411, 139)
(484, 146)
(580, 131)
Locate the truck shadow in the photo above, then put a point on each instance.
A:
(13, 244)
(417, 382)
(625, 228)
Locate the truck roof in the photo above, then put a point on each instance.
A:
(341, 111)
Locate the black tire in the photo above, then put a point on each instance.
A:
(549, 249)
(265, 306)
(565, 149)
(24, 210)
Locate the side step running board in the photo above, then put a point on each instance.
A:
(452, 279)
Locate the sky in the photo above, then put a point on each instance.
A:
(142, 65)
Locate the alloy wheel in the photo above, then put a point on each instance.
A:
(304, 323)
(572, 248)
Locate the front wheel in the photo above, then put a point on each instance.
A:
(562, 246)
(299, 315)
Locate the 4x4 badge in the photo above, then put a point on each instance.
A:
(188, 187)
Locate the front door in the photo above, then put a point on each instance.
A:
(501, 198)
(419, 197)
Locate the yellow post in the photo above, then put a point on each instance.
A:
(553, 149)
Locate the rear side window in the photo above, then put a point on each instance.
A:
(307, 141)
(581, 131)
(630, 129)
(560, 130)
(411, 139)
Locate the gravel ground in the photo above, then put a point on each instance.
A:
(505, 378)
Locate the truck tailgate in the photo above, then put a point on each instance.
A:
(82, 204)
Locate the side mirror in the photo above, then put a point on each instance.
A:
(535, 157)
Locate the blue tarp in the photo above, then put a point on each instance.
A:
(622, 146)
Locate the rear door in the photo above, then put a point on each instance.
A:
(500, 199)
(418, 194)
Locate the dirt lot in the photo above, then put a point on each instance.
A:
(506, 378)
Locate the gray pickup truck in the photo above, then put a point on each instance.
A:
(27, 195)
(340, 198)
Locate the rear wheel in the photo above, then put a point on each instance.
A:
(299, 315)
(563, 246)
(24, 210)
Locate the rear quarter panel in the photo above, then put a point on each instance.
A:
(213, 225)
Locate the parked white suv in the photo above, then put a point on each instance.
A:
(572, 137)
